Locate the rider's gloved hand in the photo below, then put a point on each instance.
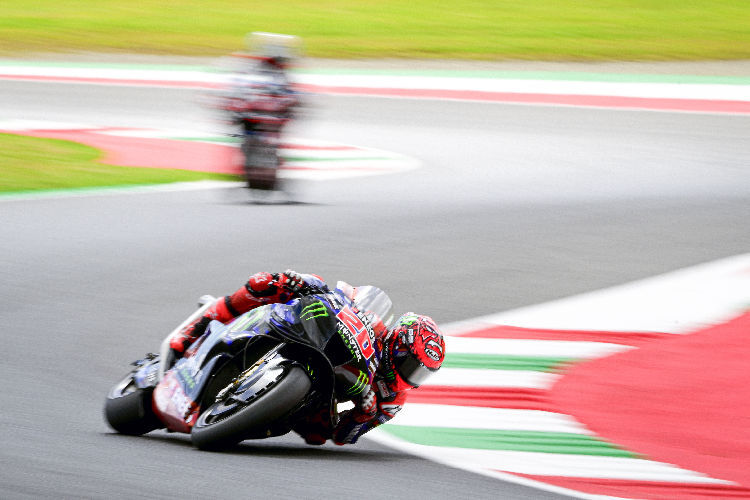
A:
(367, 409)
(292, 281)
(355, 422)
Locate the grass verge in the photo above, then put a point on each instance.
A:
(34, 164)
(469, 29)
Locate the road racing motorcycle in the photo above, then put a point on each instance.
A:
(261, 375)
(261, 106)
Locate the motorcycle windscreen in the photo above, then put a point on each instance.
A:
(373, 299)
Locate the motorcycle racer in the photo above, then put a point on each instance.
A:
(408, 353)
(260, 97)
(261, 100)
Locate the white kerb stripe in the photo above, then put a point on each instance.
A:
(549, 464)
(532, 347)
(430, 415)
(460, 377)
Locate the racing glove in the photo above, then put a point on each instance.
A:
(372, 410)
(292, 281)
(360, 419)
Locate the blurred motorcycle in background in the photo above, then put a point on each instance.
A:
(260, 101)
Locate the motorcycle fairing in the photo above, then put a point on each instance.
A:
(176, 397)
(317, 319)
(312, 321)
(172, 404)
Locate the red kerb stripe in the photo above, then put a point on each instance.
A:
(515, 332)
(653, 103)
(644, 489)
(485, 397)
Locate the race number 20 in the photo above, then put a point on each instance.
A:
(355, 325)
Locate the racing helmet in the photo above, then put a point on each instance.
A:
(416, 350)
(275, 49)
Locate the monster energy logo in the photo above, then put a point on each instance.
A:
(242, 324)
(187, 378)
(359, 385)
(314, 310)
(349, 340)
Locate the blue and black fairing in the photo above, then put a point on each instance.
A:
(304, 326)
(332, 323)
(306, 331)
(221, 344)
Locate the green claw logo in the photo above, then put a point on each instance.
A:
(315, 310)
(359, 384)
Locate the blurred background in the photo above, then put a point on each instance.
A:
(419, 157)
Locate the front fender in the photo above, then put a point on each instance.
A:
(146, 375)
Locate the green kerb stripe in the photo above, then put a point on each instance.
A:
(500, 362)
(488, 439)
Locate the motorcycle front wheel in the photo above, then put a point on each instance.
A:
(229, 421)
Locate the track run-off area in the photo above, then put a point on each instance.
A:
(609, 392)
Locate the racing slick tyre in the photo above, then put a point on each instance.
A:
(227, 422)
(128, 409)
(261, 164)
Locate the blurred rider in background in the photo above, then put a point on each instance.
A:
(261, 101)
(408, 352)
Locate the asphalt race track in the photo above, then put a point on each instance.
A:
(514, 205)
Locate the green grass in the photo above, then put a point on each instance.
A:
(31, 164)
(470, 29)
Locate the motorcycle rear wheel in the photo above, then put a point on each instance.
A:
(261, 164)
(213, 433)
(128, 409)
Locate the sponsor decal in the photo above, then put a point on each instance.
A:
(171, 399)
(187, 378)
(350, 341)
(359, 385)
(315, 310)
(383, 389)
(242, 323)
(355, 326)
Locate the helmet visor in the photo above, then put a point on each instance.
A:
(413, 371)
